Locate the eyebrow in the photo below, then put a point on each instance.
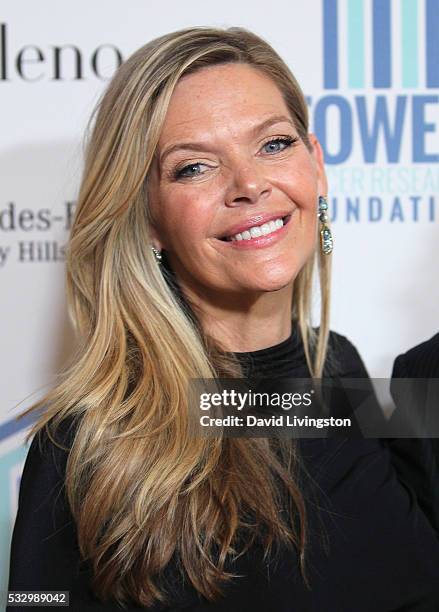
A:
(197, 146)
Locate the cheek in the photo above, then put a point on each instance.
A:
(299, 182)
(186, 216)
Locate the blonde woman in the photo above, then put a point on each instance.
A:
(191, 256)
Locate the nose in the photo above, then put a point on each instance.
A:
(248, 185)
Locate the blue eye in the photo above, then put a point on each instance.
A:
(278, 144)
(189, 171)
(275, 145)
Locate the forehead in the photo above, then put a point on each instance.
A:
(223, 97)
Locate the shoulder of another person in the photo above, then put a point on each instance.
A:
(420, 361)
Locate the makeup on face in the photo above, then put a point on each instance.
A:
(236, 188)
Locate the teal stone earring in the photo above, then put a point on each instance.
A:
(326, 240)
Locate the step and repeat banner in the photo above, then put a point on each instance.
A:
(370, 72)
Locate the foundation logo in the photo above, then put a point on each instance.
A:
(377, 116)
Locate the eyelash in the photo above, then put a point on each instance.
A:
(288, 141)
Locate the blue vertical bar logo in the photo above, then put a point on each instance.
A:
(413, 37)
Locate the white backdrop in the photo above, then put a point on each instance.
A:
(369, 70)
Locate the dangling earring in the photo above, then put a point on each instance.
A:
(157, 255)
(326, 240)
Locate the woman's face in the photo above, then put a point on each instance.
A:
(233, 190)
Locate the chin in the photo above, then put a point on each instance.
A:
(275, 280)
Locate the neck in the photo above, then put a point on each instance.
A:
(252, 323)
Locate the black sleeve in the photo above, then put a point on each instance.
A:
(343, 358)
(415, 459)
(352, 394)
(45, 554)
(44, 550)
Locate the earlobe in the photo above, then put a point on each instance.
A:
(156, 243)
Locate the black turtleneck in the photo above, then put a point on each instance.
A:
(282, 359)
(287, 358)
(370, 546)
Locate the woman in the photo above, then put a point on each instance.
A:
(191, 256)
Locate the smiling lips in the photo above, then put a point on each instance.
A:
(258, 231)
(256, 220)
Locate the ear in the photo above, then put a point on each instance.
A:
(155, 240)
(317, 154)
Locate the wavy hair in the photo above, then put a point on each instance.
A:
(142, 490)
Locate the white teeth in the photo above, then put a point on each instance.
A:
(259, 230)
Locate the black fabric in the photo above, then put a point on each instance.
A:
(370, 546)
(418, 458)
(422, 361)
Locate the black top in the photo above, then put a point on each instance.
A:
(370, 549)
(419, 396)
(422, 361)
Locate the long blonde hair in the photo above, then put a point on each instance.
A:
(142, 491)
